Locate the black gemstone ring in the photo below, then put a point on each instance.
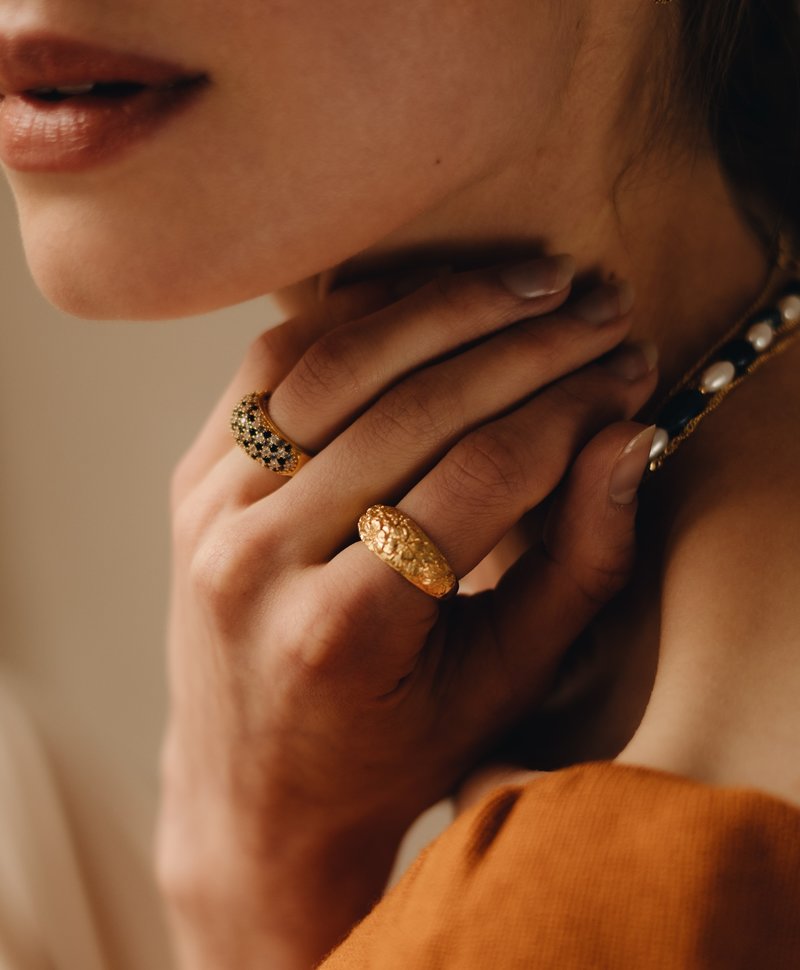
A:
(258, 436)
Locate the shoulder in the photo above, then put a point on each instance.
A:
(600, 864)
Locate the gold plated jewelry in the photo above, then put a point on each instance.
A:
(256, 433)
(761, 332)
(396, 538)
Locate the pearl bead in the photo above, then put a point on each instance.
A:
(760, 335)
(660, 442)
(789, 306)
(717, 376)
(772, 317)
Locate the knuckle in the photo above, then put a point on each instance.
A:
(457, 297)
(416, 410)
(265, 352)
(262, 347)
(597, 582)
(317, 643)
(225, 577)
(328, 628)
(486, 466)
(606, 580)
(331, 364)
(213, 571)
(334, 642)
(575, 395)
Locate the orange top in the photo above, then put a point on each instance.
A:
(597, 865)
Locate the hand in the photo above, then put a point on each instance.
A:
(319, 701)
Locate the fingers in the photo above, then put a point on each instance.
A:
(472, 498)
(268, 359)
(490, 476)
(350, 366)
(325, 366)
(404, 432)
(540, 605)
(586, 555)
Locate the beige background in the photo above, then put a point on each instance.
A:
(92, 418)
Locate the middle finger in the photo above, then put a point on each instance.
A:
(395, 442)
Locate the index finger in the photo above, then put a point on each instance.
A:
(267, 361)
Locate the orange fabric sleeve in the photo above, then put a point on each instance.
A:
(600, 865)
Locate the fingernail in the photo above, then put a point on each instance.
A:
(606, 302)
(629, 468)
(633, 361)
(417, 279)
(538, 277)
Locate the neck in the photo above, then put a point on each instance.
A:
(677, 235)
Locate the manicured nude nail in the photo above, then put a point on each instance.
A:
(539, 277)
(633, 361)
(626, 476)
(606, 302)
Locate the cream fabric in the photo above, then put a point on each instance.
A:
(45, 917)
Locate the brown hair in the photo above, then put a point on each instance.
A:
(740, 73)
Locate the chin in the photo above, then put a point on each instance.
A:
(105, 290)
(96, 268)
(101, 253)
(84, 290)
(91, 276)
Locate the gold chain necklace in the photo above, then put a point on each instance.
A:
(759, 333)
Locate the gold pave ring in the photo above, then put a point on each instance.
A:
(396, 538)
(256, 433)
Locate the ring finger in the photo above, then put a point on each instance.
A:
(407, 431)
(490, 478)
(349, 366)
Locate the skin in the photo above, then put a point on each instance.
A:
(344, 701)
(341, 141)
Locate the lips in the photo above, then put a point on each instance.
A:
(67, 105)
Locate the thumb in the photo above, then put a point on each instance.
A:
(588, 547)
(590, 529)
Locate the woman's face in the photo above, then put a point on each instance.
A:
(328, 127)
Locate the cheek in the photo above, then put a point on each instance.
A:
(209, 223)
(191, 224)
(308, 148)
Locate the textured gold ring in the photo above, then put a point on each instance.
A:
(396, 538)
(256, 433)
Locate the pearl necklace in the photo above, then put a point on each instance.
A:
(755, 337)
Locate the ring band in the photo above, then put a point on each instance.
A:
(258, 436)
(396, 538)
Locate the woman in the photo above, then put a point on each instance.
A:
(319, 700)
